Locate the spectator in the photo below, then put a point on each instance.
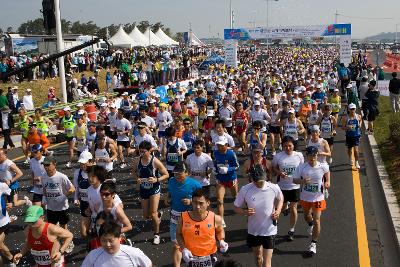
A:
(3, 99)
(394, 89)
(372, 105)
(6, 124)
(28, 100)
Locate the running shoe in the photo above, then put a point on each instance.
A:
(310, 229)
(312, 249)
(357, 165)
(274, 153)
(156, 240)
(68, 165)
(70, 247)
(26, 161)
(28, 201)
(290, 236)
(129, 242)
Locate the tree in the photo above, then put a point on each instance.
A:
(167, 31)
(128, 27)
(66, 26)
(1, 31)
(32, 27)
(179, 37)
(143, 25)
(157, 26)
(9, 29)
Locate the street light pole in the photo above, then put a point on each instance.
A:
(268, 17)
(395, 38)
(230, 15)
(60, 48)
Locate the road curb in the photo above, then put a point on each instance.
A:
(390, 197)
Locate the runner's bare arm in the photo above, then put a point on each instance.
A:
(300, 127)
(179, 235)
(121, 216)
(219, 230)
(161, 169)
(18, 173)
(57, 232)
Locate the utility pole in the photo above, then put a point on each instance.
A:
(230, 15)
(336, 21)
(60, 48)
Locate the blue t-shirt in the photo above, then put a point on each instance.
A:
(179, 191)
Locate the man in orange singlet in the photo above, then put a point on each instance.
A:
(199, 231)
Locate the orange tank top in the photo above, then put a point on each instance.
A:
(199, 236)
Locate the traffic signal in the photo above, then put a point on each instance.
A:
(49, 17)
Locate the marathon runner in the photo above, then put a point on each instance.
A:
(351, 123)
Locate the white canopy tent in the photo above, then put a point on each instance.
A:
(152, 39)
(161, 34)
(122, 39)
(138, 37)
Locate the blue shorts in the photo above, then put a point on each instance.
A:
(172, 231)
(147, 193)
(161, 134)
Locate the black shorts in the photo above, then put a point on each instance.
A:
(125, 144)
(4, 228)
(112, 134)
(55, 217)
(352, 141)
(37, 197)
(10, 197)
(69, 138)
(274, 129)
(267, 242)
(83, 206)
(147, 193)
(371, 116)
(291, 195)
(329, 140)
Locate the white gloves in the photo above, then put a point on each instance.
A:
(187, 255)
(223, 246)
(223, 170)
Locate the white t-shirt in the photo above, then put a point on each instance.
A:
(288, 163)
(198, 167)
(313, 191)
(149, 121)
(5, 172)
(123, 125)
(127, 256)
(261, 115)
(262, 200)
(146, 137)
(55, 188)
(215, 138)
(163, 120)
(4, 219)
(226, 114)
(38, 172)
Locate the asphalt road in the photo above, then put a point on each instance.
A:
(339, 243)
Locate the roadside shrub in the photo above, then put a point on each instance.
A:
(394, 127)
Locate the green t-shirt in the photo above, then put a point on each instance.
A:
(3, 101)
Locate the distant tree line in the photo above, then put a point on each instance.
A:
(87, 28)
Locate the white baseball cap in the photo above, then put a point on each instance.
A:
(104, 104)
(79, 105)
(67, 108)
(221, 141)
(336, 90)
(274, 102)
(125, 93)
(85, 157)
(352, 105)
(291, 110)
(257, 103)
(81, 112)
(210, 113)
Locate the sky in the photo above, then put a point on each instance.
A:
(208, 18)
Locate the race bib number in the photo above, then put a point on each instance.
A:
(42, 257)
(175, 215)
(146, 184)
(173, 157)
(198, 173)
(289, 170)
(53, 193)
(201, 261)
(312, 188)
(83, 194)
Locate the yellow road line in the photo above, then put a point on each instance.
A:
(362, 240)
(52, 146)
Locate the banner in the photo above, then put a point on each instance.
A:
(345, 49)
(231, 53)
(383, 87)
(287, 32)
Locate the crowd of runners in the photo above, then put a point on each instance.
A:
(279, 114)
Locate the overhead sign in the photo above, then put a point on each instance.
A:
(287, 32)
(231, 53)
(345, 49)
(378, 57)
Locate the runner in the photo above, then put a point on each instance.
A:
(328, 124)
(240, 122)
(80, 131)
(163, 121)
(198, 232)
(336, 102)
(256, 157)
(173, 150)
(200, 166)
(10, 174)
(225, 166)
(4, 222)
(144, 136)
(81, 183)
(23, 127)
(189, 135)
(226, 113)
(351, 123)
(105, 154)
(275, 125)
(285, 164)
(112, 253)
(38, 172)
(42, 122)
(36, 138)
(180, 191)
(123, 128)
(314, 179)
(43, 240)
(292, 127)
(149, 172)
(262, 202)
(257, 138)
(68, 123)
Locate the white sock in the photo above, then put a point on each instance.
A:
(291, 229)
